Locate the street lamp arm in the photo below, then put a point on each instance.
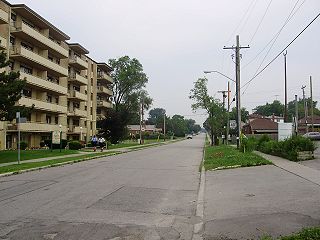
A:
(206, 72)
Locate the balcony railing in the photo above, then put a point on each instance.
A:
(36, 127)
(37, 60)
(105, 104)
(44, 84)
(38, 38)
(77, 112)
(77, 95)
(78, 62)
(42, 105)
(3, 43)
(105, 76)
(104, 90)
(4, 16)
(78, 78)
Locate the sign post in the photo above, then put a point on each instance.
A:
(18, 128)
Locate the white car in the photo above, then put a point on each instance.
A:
(189, 136)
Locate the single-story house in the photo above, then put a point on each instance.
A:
(135, 129)
(260, 126)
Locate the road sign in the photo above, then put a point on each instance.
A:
(233, 124)
(56, 137)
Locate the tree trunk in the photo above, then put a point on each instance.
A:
(212, 137)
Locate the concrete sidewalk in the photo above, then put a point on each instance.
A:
(252, 202)
(46, 159)
(308, 173)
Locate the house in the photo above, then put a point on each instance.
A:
(302, 124)
(135, 129)
(260, 126)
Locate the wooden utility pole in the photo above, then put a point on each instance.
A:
(297, 117)
(164, 127)
(228, 117)
(311, 105)
(285, 88)
(305, 108)
(237, 48)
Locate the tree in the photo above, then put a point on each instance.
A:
(10, 92)
(156, 117)
(276, 108)
(128, 95)
(202, 100)
(292, 104)
(177, 125)
(244, 114)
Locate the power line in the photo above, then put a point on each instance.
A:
(256, 75)
(277, 34)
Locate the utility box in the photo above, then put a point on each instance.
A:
(284, 131)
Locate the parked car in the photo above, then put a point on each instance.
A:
(312, 135)
(189, 136)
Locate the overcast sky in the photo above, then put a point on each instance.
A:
(176, 40)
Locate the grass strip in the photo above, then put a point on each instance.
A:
(16, 168)
(12, 155)
(226, 157)
(305, 234)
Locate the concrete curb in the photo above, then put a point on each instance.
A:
(84, 159)
(198, 227)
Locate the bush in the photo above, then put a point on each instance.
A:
(75, 145)
(249, 144)
(42, 144)
(288, 148)
(23, 145)
(56, 146)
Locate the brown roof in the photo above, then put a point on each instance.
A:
(316, 119)
(263, 124)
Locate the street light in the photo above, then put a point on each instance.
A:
(228, 110)
(215, 71)
(60, 126)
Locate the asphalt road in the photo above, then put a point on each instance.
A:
(147, 194)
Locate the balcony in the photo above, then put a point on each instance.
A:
(104, 90)
(3, 43)
(34, 37)
(43, 84)
(104, 104)
(78, 63)
(4, 16)
(76, 130)
(37, 127)
(102, 76)
(77, 95)
(24, 55)
(78, 79)
(77, 112)
(42, 105)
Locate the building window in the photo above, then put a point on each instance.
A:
(27, 93)
(76, 88)
(49, 98)
(11, 65)
(75, 122)
(99, 110)
(25, 69)
(56, 120)
(85, 108)
(76, 105)
(27, 46)
(13, 17)
(12, 41)
(50, 58)
(48, 119)
(57, 100)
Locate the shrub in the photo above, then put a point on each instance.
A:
(56, 146)
(262, 140)
(42, 144)
(75, 145)
(23, 145)
(288, 148)
(249, 144)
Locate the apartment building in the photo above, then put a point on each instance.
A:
(104, 89)
(61, 79)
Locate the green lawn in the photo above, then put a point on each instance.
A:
(12, 156)
(225, 156)
(24, 166)
(305, 234)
